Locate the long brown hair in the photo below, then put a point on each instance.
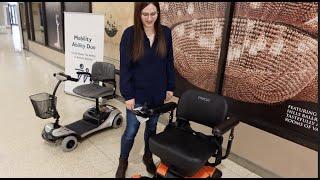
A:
(138, 39)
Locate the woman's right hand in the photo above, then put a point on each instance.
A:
(130, 104)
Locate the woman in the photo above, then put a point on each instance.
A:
(146, 76)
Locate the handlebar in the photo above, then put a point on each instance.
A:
(63, 77)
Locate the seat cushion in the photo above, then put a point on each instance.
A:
(94, 90)
(182, 150)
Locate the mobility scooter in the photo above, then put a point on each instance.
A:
(185, 153)
(101, 88)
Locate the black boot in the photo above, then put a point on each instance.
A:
(148, 161)
(122, 168)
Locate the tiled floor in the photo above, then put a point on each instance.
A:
(23, 153)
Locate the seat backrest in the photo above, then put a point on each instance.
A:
(202, 107)
(102, 71)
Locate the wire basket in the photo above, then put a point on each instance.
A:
(42, 104)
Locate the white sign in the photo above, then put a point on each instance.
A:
(84, 45)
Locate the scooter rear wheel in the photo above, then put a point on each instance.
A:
(117, 121)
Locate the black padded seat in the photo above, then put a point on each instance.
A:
(94, 90)
(182, 150)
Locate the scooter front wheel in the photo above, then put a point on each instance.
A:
(69, 143)
(44, 136)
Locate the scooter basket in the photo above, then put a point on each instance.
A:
(42, 104)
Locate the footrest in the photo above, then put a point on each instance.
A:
(81, 127)
(204, 172)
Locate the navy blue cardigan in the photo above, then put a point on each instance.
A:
(148, 79)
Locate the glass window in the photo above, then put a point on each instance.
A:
(13, 15)
(77, 7)
(24, 23)
(38, 23)
(8, 16)
(54, 24)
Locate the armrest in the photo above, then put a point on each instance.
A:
(145, 112)
(164, 108)
(225, 126)
(86, 73)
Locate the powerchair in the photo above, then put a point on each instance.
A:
(185, 153)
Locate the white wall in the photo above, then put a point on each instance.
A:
(2, 13)
(4, 28)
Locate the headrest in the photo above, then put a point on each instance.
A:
(202, 107)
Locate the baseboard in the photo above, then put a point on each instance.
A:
(45, 59)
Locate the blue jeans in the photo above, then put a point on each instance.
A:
(131, 130)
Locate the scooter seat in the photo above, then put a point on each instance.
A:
(94, 90)
(182, 150)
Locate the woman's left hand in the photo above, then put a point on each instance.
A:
(169, 95)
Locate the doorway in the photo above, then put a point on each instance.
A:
(14, 16)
